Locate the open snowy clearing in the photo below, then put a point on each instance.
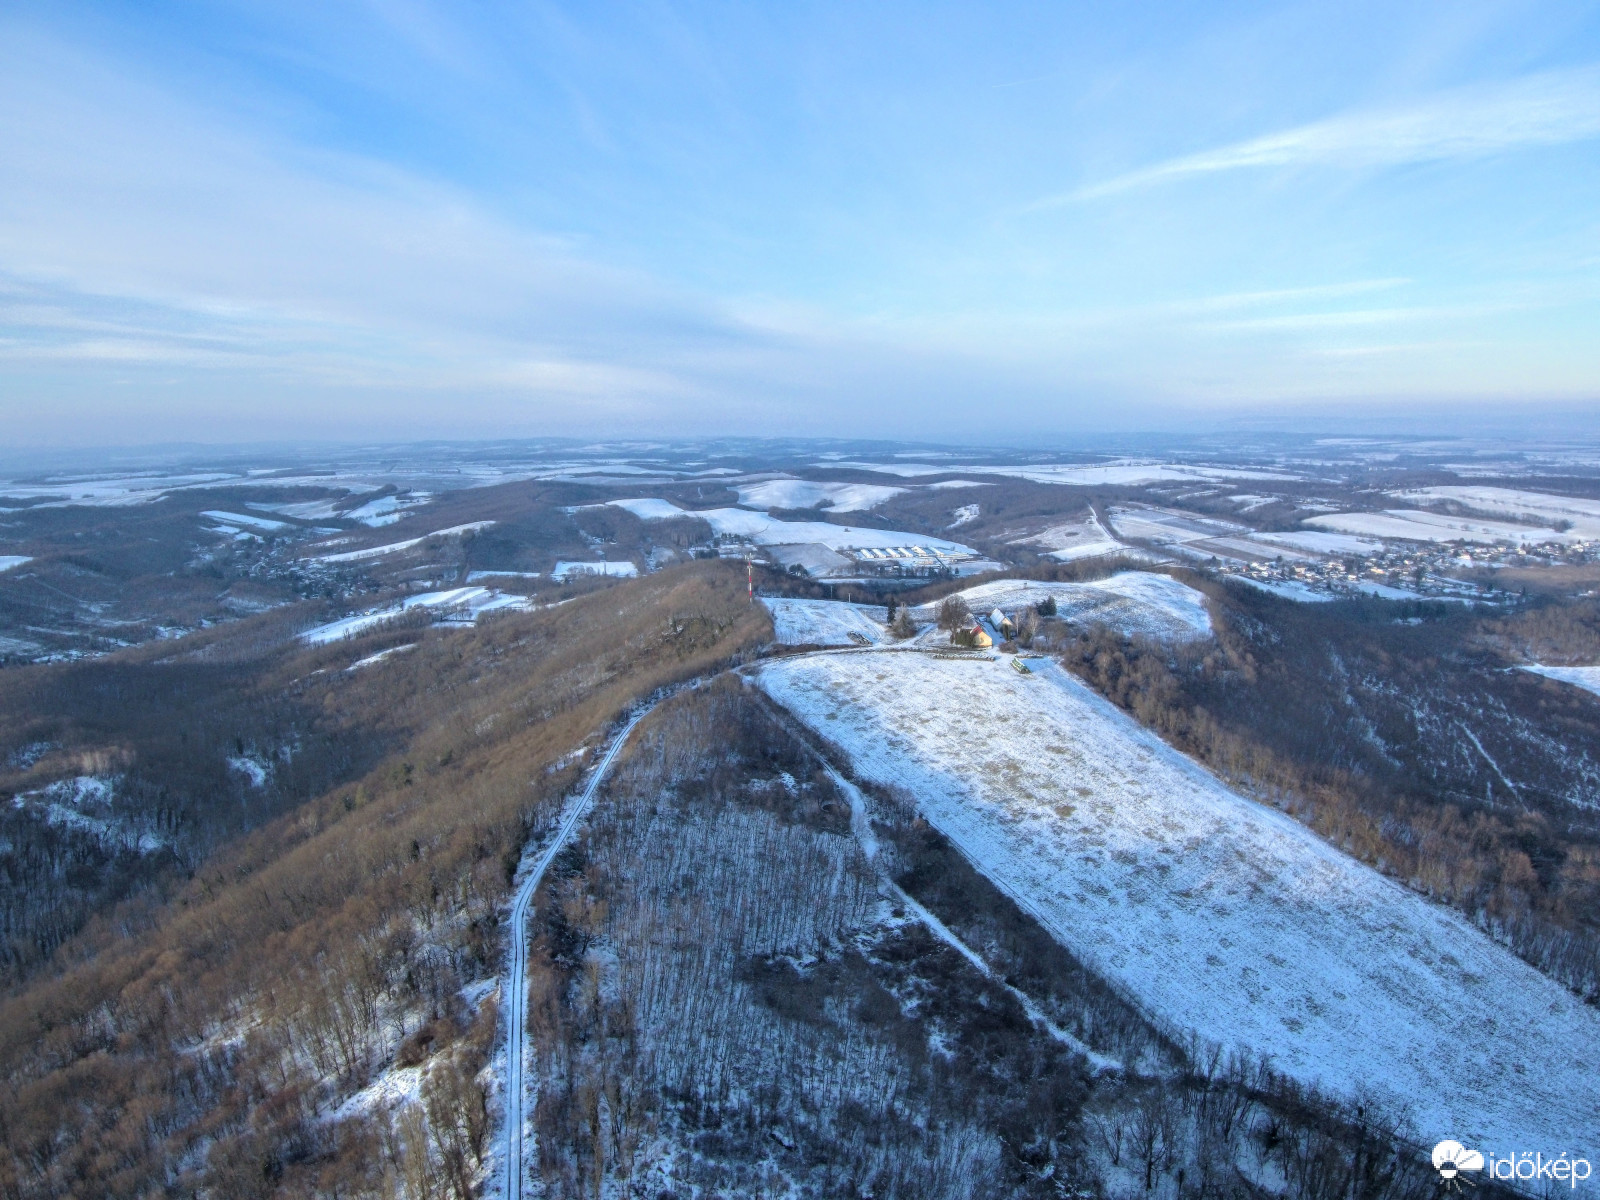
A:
(8, 561)
(822, 622)
(261, 524)
(803, 493)
(1216, 914)
(1418, 525)
(652, 510)
(469, 602)
(767, 531)
(1513, 502)
(1588, 678)
(1131, 602)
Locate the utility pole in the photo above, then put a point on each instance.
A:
(749, 578)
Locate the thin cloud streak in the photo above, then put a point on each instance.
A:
(1546, 109)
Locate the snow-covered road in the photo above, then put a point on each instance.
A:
(516, 1008)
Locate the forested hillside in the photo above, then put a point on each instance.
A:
(730, 996)
(202, 1042)
(1405, 735)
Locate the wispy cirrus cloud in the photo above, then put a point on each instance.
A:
(1544, 109)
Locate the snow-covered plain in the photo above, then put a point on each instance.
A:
(767, 531)
(1131, 602)
(469, 601)
(1217, 915)
(822, 622)
(1513, 502)
(804, 493)
(1122, 472)
(1419, 525)
(1588, 678)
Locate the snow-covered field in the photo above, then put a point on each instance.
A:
(8, 561)
(767, 531)
(304, 510)
(1131, 602)
(1169, 527)
(804, 493)
(1123, 472)
(1588, 678)
(652, 510)
(471, 602)
(1419, 525)
(1513, 502)
(822, 622)
(1217, 915)
(1083, 538)
(1318, 542)
(408, 544)
(386, 510)
(245, 521)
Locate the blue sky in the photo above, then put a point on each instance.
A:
(233, 221)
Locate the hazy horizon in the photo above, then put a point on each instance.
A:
(410, 221)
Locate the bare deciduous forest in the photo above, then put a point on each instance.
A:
(1406, 738)
(730, 1001)
(270, 969)
(200, 1041)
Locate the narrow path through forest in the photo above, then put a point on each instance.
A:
(516, 1008)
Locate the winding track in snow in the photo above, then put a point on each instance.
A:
(516, 1013)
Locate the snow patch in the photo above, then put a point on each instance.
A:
(464, 603)
(822, 622)
(1587, 678)
(804, 493)
(396, 547)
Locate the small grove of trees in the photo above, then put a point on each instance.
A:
(953, 613)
